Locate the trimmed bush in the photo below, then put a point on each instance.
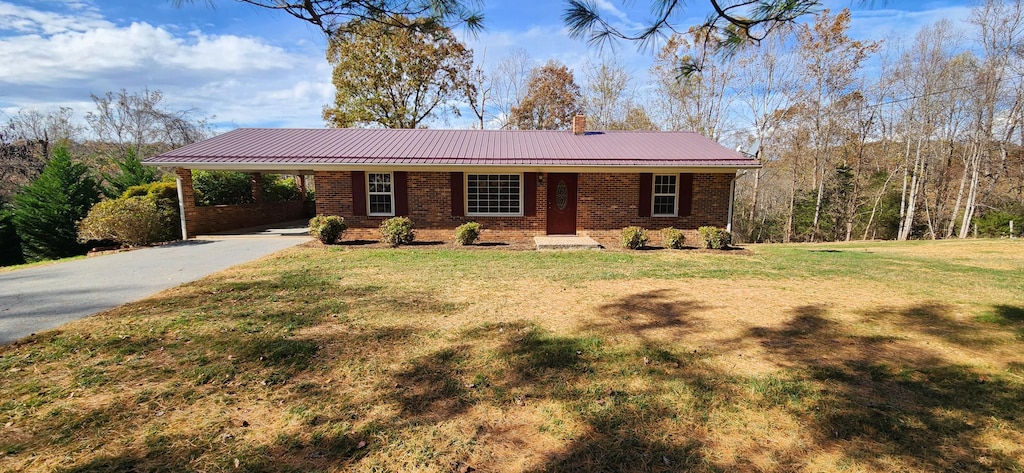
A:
(327, 228)
(714, 238)
(467, 233)
(156, 190)
(634, 237)
(135, 221)
(673, 238)
(397, 231)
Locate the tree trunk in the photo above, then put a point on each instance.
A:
(903, 193)
(753, 204)
(959, 199)
(965, 224)
(911, 198)
(817, 205)
(878, 200)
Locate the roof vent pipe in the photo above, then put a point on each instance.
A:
(579, 124)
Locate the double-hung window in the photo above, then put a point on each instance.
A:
(665, 196)
(381, 187)
(494, 194)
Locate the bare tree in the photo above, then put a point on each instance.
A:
(508, 80)
(764, 82)
(479, 90)
(609, 97)
(140, 122)
(830, 61)
(1000, 27)
(54, 125)
(694, 102)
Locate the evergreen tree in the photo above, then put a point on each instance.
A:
(47, 211)
(132, 173)
(10, 244)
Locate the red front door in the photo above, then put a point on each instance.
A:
(561, 204)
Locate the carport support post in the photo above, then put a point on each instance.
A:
(185, 194)
(256, 183)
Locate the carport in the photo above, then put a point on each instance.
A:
(210, 219)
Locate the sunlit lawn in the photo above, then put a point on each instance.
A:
(843, 357)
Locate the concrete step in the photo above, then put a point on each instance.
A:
(566, 242)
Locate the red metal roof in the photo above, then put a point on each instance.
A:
(315, 148)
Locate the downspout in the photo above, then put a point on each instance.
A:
(732, 198)
(181, 208)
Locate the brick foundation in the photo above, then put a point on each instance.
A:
(607, 202)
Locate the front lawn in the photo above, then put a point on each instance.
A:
(840, 357)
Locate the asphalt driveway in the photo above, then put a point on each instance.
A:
(44, 297)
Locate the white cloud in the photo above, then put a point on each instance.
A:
(868, 23)
(623, 18)
(22, 19)
(56, 59)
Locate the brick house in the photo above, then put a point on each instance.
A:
(516, 184)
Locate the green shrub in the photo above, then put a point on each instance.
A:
(996, 223)
(467, 233)
(714, 238)
(397, 231)
(134, 221)
(280, 189)
(135, 191)
(156, 190)
(327, 228)
(130, 173)
(634, 238)
(673, 238)
(221, 187)
(163, 190)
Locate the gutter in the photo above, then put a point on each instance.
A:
(309, 168)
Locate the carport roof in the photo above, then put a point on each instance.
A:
(265, 148)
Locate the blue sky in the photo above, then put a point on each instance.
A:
(248, 66)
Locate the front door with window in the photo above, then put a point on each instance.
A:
(561, 204)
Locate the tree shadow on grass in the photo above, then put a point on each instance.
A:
(921, 410)
(936, 320)
(433, 388)
(589, 376)
(651, 314)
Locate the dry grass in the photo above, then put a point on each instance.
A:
(857, 357)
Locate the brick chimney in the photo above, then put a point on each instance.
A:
(579, 124)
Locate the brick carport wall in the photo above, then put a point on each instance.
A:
(196, 219)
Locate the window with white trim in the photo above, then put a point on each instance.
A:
(494, 194)
(381, 189)
(665, 196)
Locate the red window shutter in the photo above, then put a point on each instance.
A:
(457, 199)
(646, 188)
(401, 193)
(358, 193)
(529, 194)
(685, 195)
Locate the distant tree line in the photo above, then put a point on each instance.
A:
(859, 139)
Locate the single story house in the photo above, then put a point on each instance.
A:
(515, 183)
